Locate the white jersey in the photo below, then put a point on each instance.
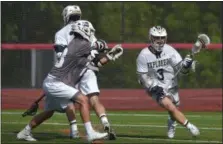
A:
(63, 37)
(160, 68)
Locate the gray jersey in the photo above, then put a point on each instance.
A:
(73, 61)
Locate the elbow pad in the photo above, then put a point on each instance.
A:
(59, 48)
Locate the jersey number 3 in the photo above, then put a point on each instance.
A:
(160, 74)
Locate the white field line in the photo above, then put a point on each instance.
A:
(127, 114)
(175, 140)
(118, 125)
(126, 137)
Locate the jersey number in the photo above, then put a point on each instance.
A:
(160, 74)
(60, 61)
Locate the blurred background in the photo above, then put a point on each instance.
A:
(27, 55)
(115, 22)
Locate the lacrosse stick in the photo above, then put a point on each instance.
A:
(202, 42)
(31, 111)
(115, 52)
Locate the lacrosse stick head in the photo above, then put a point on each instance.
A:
(202, 42)
(116, 51)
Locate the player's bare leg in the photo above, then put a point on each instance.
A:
(179, 116)
(70, 112)
(85, 115)
(99, 109)
(25, 134)
(101, 113)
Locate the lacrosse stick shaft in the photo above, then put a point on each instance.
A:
(202, 41)
(40, 98)
(33, 108)
(192, 55)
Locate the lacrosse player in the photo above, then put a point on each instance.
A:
(156, 66)
(88, 83)
(59, 85)
(71, 14)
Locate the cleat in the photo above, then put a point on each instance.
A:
(111, 132)
(96, 136)
(171, 128)
(193, 130)
(25, 135)
(74, 135)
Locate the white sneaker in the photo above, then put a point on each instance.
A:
(193, 129)
(171, 128)
(25, 135)
(74, 135)
(96, 136)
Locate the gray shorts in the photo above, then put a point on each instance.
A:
(58, 94)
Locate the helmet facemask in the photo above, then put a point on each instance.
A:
(158, 42)
(73, 17)
(85, 29)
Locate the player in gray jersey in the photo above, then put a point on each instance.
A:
(156, 68)
(88, 83)
(58, 85)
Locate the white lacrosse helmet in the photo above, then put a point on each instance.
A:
(71, 11)
(157, 37)
(85, 29)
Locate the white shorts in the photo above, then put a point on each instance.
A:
(58, 94)
(88, 83)
(172, 93)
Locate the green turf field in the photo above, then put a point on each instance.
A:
(131, 127)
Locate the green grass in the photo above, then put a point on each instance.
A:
(131, 127)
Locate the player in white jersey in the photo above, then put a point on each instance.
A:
(71, 14)
(156, 67)
(88, 83)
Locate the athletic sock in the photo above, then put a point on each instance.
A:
(73, 126)
(187, 124)
(88, 127)
(28, 128)
(104, 119)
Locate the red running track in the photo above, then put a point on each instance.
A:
(124, 99)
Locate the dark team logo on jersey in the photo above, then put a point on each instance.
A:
(159, 63)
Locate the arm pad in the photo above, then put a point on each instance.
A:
(59, 48)
(146, 81)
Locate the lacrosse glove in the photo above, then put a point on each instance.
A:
(187, 62)
(32, 110)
